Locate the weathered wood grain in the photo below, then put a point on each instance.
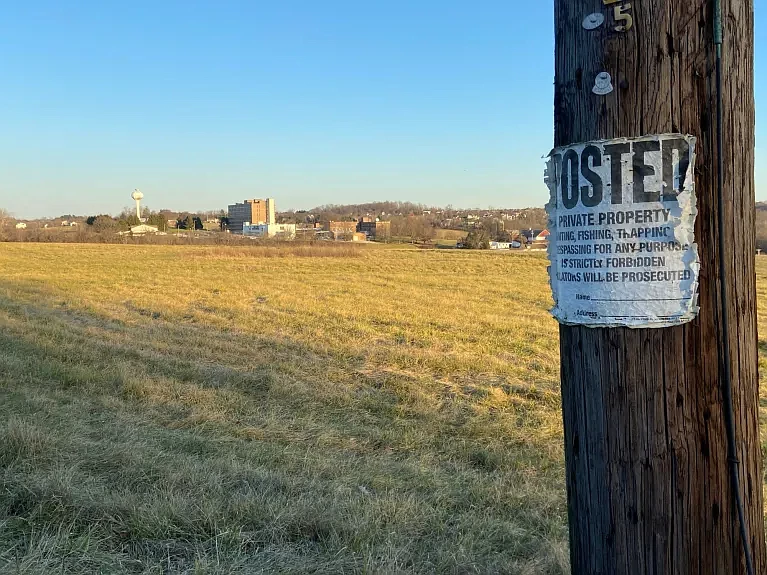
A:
(647, 479)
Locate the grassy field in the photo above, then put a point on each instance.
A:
(232, 410)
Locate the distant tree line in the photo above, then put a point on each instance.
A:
(335, 211)
(415, 226)
(104, 223)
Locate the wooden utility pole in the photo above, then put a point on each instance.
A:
(646, 449)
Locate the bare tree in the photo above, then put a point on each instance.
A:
(5, 219)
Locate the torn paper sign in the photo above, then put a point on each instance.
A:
(622, 224)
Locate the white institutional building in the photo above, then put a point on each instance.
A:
(282, 231)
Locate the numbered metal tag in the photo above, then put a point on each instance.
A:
(624, 21)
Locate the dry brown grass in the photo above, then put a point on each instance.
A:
(280, 250)
(212, 410)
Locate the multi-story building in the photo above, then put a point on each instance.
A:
(342, 230)
(374, 228)
(254, 212)
(382, 230)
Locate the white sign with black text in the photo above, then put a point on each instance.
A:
(622, 221)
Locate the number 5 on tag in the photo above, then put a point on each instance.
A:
(622, 14)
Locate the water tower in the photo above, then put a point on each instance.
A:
(138, 196)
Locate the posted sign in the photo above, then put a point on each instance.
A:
(622, 220)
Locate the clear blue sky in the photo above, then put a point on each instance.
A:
(203, 103)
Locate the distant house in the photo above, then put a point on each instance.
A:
(532, 235)
(21, 226)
